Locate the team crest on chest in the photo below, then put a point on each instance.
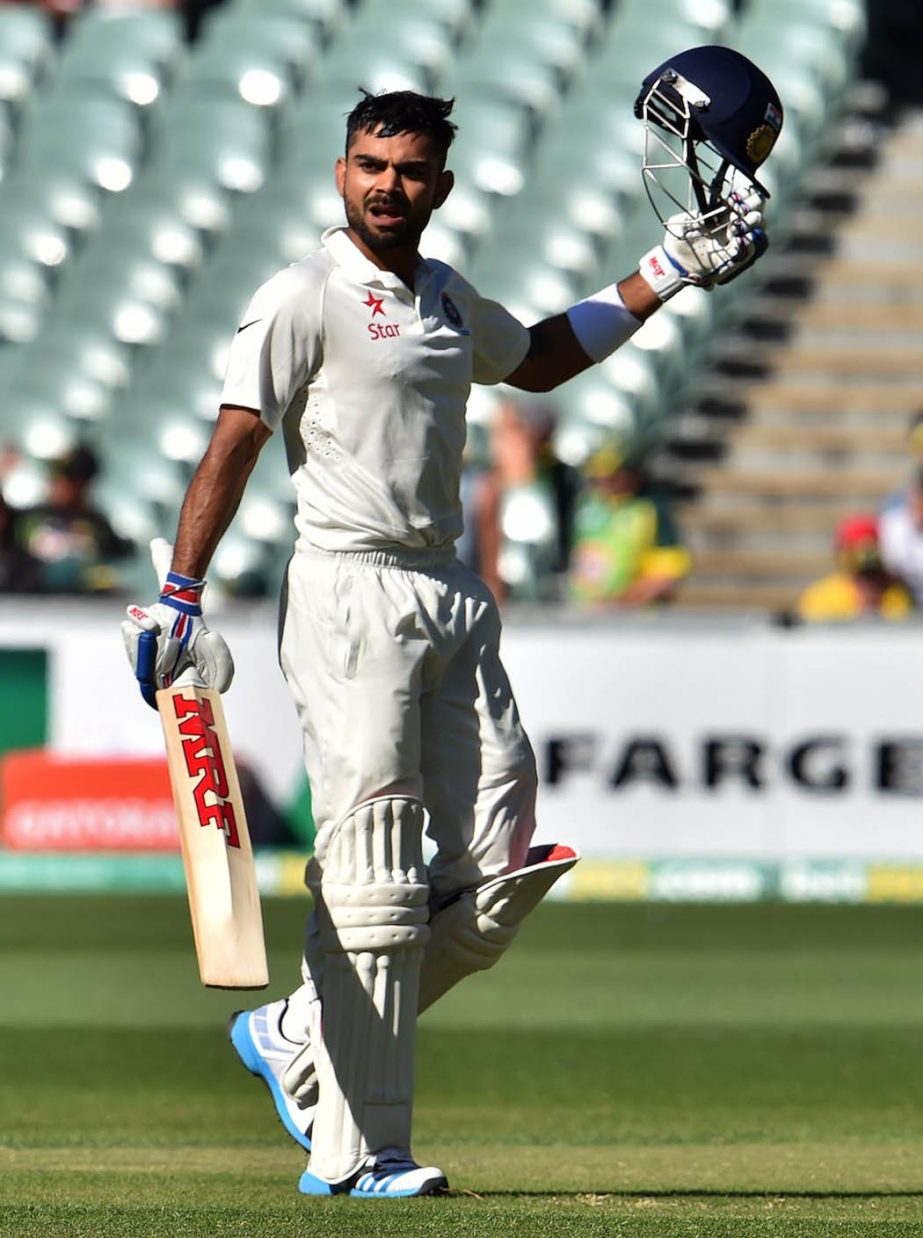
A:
(379, 330)
(451, 311)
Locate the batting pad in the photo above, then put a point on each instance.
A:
(371, 908)
(471, 933)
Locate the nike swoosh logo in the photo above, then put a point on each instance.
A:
(248, 324)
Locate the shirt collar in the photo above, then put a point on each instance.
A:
(353, 261)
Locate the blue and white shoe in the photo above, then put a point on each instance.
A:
(393, 1176)
(266, 1053)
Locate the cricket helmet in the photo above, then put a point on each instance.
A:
(711, 118)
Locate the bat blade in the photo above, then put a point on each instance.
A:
(224, 900)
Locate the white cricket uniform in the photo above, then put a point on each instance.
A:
(390, 646)
(901, 544)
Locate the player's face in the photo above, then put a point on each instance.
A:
(390, 188)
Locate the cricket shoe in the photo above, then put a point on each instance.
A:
(393, 1175)
(257, 1037)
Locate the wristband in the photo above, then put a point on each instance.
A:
(662, 275)
(183, 593)
(601, 323)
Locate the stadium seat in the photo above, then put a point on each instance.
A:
(149, 227)
(327, 17)
(273, 224)
(372, 63)
(547, 39)
(133, 55)
(420, 41)
(457, 17)
(63, 197)
(585, 17)
(74, 347)
(26, 51)
(491, 151)
(24, 297)
(507, 74)
(691, 22)
(95, 138)
(35, 236)
(261, 58)
(224, 141)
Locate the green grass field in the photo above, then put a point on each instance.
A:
(626, 1070)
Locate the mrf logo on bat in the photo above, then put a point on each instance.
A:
(205, 765)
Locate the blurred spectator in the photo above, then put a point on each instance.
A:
(860, 586)
(62, 12)
(627, 548)
(478, 492)
(20, 572)
(72, 540)
(519, 506)
(900, 532)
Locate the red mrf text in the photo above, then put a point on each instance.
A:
(205, 764)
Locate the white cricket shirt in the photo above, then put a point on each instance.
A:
(901, 545)
(370, 381)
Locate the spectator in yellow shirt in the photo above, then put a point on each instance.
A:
(627, 550)
(860, 586)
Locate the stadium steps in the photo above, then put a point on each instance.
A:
(804, 417)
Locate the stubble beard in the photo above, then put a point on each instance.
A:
(405, 237)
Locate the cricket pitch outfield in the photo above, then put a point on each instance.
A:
(625, 1070)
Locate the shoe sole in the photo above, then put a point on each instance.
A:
(246, 1050)
(308, 1184)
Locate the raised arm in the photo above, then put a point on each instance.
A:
(556, 354)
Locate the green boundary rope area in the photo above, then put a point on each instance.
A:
(628, 1069)
(719, 880)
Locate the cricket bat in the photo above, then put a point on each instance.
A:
(224, 901)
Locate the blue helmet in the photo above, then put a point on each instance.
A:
(715, 96)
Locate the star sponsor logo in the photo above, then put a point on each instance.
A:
(376, 305)
(379, 330)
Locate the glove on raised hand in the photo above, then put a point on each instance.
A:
(702, 253)
(169, 637)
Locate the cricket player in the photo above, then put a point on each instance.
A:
(362, 355)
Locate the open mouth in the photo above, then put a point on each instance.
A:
(387, 213)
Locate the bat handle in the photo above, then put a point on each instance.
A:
(189, 678)
(162, 559)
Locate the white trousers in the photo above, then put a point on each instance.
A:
(394, 665)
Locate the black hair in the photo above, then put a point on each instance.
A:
(402, 111)
(78, 464)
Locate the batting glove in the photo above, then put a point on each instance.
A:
(704, 252)
(170, 637)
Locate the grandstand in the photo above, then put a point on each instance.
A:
(149, 184)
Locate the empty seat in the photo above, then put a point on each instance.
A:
(222, 140)
(95, 138)
(259, 57)
(132, 53)
(26, 51)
